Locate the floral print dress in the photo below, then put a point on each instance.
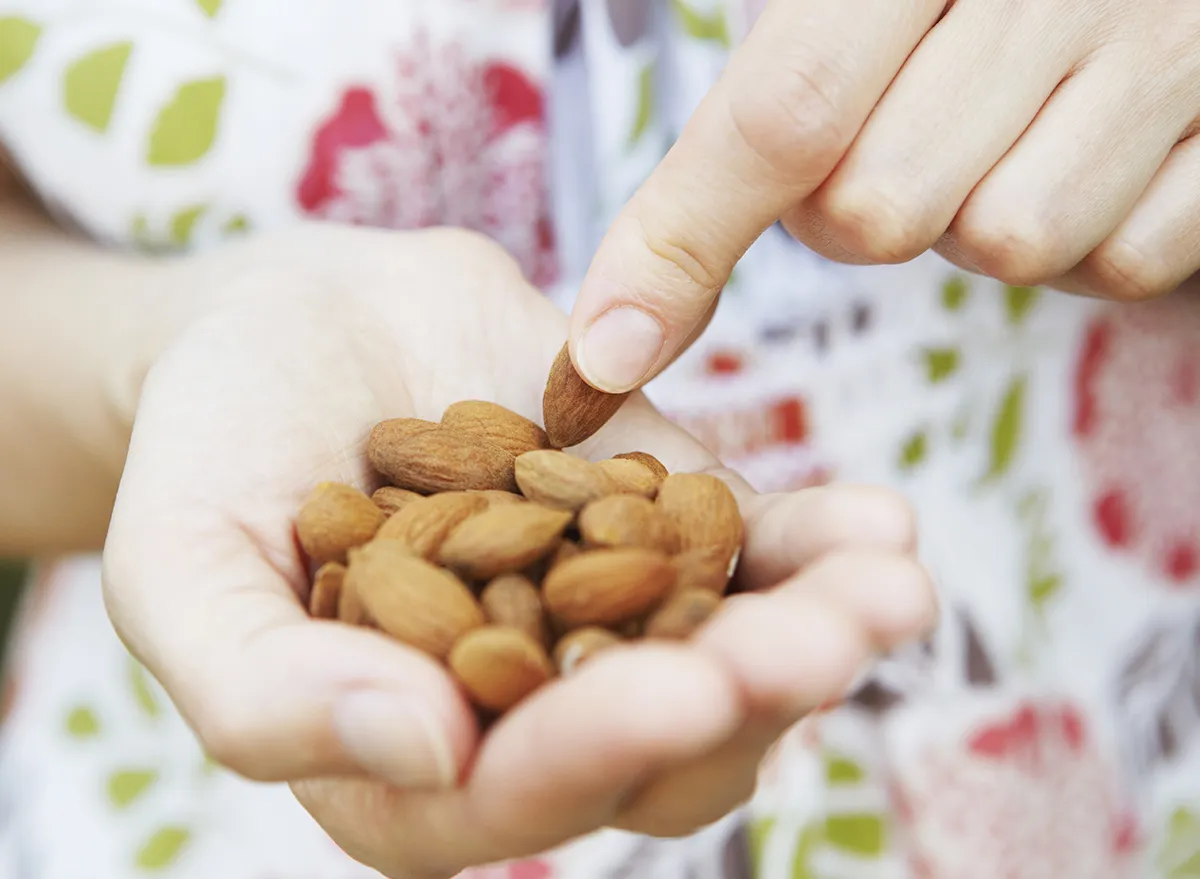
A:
(1051, 445)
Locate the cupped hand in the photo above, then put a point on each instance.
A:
(322, 333)
(1034, 141)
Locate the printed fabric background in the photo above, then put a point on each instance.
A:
(1049, 444)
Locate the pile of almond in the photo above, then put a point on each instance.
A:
(511, 561)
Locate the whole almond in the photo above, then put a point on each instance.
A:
(631, 477)
(556, 479)
(424, 524)
(578, 646)
(514, 433)
(326, 591)
(573, 410)
(504, 539)
(437, 459)
(568, 549)
(512, 600)
(627, 520)
(652, 463)
(495, 497)
(391, 499)
(350, 608)
(606, 586)
(335, 518)
(708, 568)
(703, 510)
(413, 601)
(499, 666)
(682, 614)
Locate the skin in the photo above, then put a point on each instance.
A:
(1034, 141)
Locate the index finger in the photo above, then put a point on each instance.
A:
(790, 102)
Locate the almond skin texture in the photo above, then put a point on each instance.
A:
(391, 499)
(627, 520)
(559, 480)
(702, 569)
(652, 463)
(335, 518)
(410, 599)
(499, 666)
(504, 539)
(424, 524)
(704, 512)
(350, 608)
(682, 614)
(577, 647)
(326, 591)
(502, 427)
(512, 600)
(607, 586)
(437, 459)
(495, 497)
(573, 410)
(631, 477)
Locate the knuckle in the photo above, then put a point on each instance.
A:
(466, 244)
(701, 272)
(228, 736)
(1126, 274)
(1015, 248)
(876, 223)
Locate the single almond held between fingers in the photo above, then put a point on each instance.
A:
(499, 666)
(335, 518)
(627, 520)
(438, 459)
(631, 477)
(706, 568)
(607, 586)
(682, 614)
(512, 600)
(704, 511)
(556, 479)
(503, 540)
(326, 591)
(424, 524)
(573, 410)
(502, 427)
(391, 499)
(578, 646)
(648, 461)
(410, 599)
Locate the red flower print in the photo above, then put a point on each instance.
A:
(453, 140)
(1137, 424)
(1026, 794)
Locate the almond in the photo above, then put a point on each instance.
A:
(573, 410)
(652, 463)
(503, 540)
(335, 518)
(437, 459)
(499, 666)
(512, 600)
(703, 510)
(326, 591)
(494, 497)
(350, 608)
(424, 524)
(627, 520)
(413, 601)
(682, 614)
(708, 568)
(557, 479)
(631, 477)
(391, 499)
(605, 586)
(514, 433)
(580, 645)
(568, 549)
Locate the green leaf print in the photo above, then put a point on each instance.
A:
(1179, 857)
(1043, 588)
(758, 831)
(860, 834)
(236, 225)
(914, 451)
(18, 40)
(940, 363)
(709, 27)
(809, 839)
(1006, 429)
(82, 723)
(1018, 302)
(139, 680)
(954, 293)
(645, 104)
(209, 7)
(187, 126)
(91, 83)
(183, 222)
(842, 770)
(162, 848)
(126, 785)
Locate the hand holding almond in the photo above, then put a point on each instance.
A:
(337, 663)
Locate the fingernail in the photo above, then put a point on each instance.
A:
(619, 348)
(394, 739)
